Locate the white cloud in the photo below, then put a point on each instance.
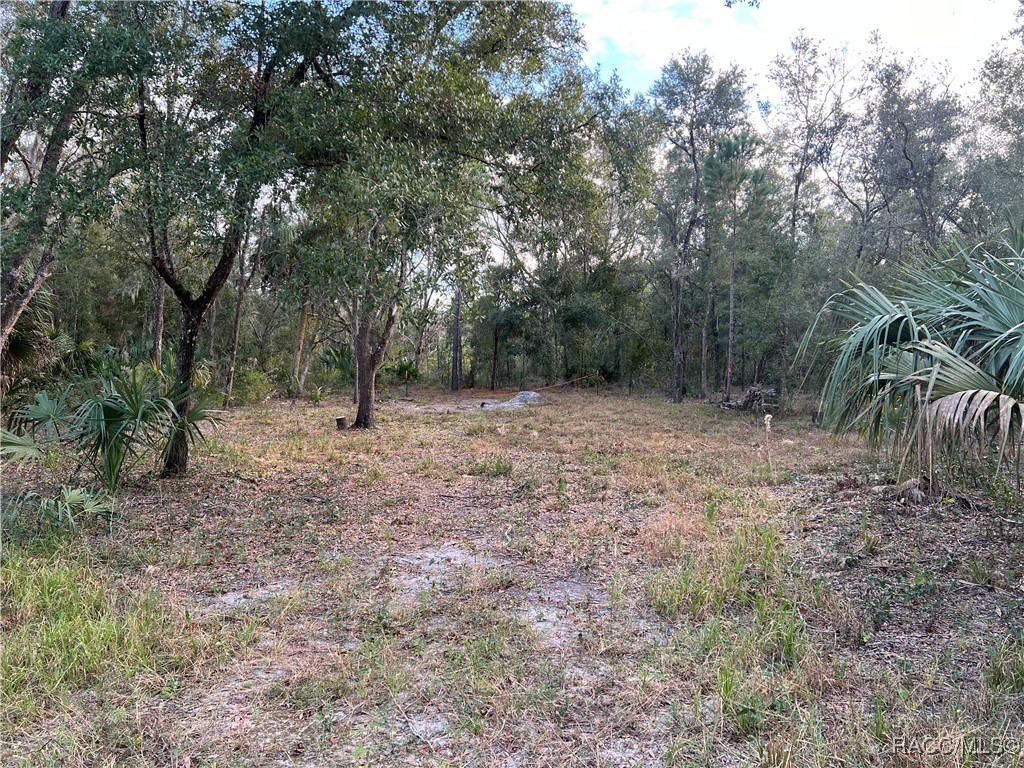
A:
(637, 37)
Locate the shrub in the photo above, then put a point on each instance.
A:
(935, 367)
(30, 512)
(252, 387)
(338, 360)
(121, 424)
(399, 371)
(125, 421)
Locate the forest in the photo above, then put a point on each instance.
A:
(767, 510)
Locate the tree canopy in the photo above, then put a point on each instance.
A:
(333, 175)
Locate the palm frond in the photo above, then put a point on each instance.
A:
(939, 364)
(18, 447)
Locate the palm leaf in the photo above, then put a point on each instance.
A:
(939, 363)
(18, 447)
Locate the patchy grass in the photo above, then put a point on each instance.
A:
(70, 625)
(493, 466)
(594, 581)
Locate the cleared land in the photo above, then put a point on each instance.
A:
(595, 581)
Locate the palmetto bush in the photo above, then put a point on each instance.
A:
(934, 368)
(120, 424)
(123, 420)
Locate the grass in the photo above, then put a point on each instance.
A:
(597, 580)
(492, 466)
(1005, 668)
(743, 570)
(68, 623)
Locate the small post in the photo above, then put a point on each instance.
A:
(406, 385)
(342, 422)
(597, 375)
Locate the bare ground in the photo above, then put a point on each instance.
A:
(552, 586)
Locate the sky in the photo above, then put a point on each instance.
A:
(637, 37)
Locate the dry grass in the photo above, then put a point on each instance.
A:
(593, 581)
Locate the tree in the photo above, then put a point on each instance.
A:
(457, 341)
(63, 72)
(382, 221)
(443, 107)
(227, 96)
(698, 106)
(250, 261)
(893, 162)
(1000, 177)
(732, 183)
(550, 301)
(812, 113)
(817, 95)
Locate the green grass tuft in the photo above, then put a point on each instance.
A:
(67, 624)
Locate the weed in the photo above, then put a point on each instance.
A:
(1005, 668)
(871, 542)
(427, 465)
(711, 510)
(981, 572)
(745, 710)
(677, 590)
(494, 466)
(561, 486)
(373, 475)
(780, 631)
(525, 490)
(879, 726)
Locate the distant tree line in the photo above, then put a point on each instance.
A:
(307, 197)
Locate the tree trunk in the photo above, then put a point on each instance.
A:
(457, 341)
(176, 461)
(12, 306)
(370, 356)
(732, 328)
(211, 330)
(157, 321)
(617, 373)
(717, 347)
(677, 341)
(421, 343)
(13, 298)
(439, 360)
(236, 332)
(494, 359)
(300, 339)
(355, 352)
(310, 350)
(704, 329)
(241, 289)
(366, 378)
